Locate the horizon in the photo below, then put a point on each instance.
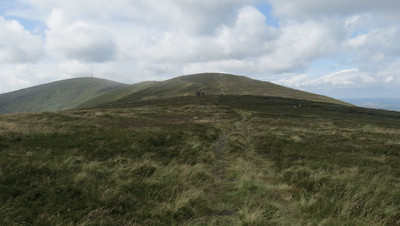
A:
(355, 100)
(337, 49)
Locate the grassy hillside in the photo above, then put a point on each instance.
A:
(117, 94)
(61, 95)
(202, 160)
(210, 83)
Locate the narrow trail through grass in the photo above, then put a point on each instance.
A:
(226, 213)
(247, 189)
(252, 187)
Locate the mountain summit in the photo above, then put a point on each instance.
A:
(209, 83)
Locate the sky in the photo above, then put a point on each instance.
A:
(342, 49)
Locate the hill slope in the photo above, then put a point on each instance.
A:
(210, 83)
(117, 94)
(55, 96)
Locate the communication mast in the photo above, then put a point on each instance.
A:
(91, 71)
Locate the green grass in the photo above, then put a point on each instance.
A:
(186, 161)
(116, 94)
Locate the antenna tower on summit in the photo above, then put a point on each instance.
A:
(91, 72)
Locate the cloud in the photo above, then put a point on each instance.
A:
(389, 79)
(18, 45)
(174, 38)
(340, 79)
(313, 9)
(80, 40)
(296, 81)
(19, 76)
(135, 40)
(344, 78)
(301, 43)
(224, 66)
(197, 17)
(391, 71)
(378, 45)
(249, 37)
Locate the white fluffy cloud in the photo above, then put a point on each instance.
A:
(379, 45)
(248, 37)
(80, 40)
(300, 43)
(17, 45)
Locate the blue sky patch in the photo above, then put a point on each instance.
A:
(34, 27)
(325, 66)
(266, 9)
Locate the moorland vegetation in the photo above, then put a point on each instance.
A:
(202, 160)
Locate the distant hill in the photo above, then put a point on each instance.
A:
(55, 96)
(377, 103)
(210, 83)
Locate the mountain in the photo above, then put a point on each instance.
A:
(210, 83)
(55, 96)
(90, 92)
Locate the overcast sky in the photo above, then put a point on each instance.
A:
(341, 48)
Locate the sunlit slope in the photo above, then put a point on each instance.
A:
(117, 94)
(60, 95)
(146, 90)
(211, 84)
